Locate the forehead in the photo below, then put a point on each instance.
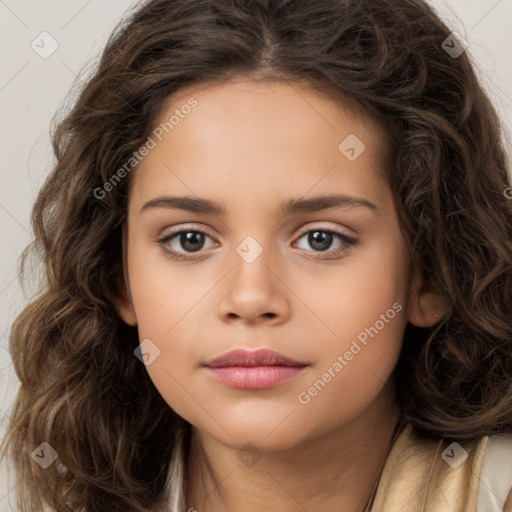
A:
(286, 100)
(243, 134)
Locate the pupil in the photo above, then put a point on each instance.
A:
(320, 237)
(191, 241)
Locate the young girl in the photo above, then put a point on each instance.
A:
(340, 336)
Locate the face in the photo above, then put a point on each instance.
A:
(327, 286)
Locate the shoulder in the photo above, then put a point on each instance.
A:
(424, 473)
(495, 485)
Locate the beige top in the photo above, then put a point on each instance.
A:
(422, 474)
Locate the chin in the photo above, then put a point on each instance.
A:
(265, 436)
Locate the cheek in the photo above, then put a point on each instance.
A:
(165, 313)
(163, 291)
(363, 310)
(352, 296)
(164, 303)
(366, 316)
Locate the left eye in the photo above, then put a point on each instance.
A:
(321, 240)
(192, 241)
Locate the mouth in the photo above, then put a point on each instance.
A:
(260, 369)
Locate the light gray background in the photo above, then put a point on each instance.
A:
(32, 88)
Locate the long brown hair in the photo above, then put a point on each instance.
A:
(120, 446)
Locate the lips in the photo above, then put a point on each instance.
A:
(246, 358)
(253, 370)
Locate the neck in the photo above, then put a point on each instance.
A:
(336, 471)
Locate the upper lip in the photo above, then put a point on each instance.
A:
(261, 357)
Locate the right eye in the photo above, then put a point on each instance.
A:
(191, 241)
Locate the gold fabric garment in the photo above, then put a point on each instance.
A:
(422, 474)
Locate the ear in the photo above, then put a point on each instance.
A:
(123, 302)
(425, 307)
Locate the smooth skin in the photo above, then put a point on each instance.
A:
(249, 146)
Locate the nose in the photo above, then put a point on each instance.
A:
(253, 292)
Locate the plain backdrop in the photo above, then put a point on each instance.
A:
(33, 85)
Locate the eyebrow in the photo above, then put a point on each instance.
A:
(287, 207)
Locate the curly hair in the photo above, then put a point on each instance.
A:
(120, 446)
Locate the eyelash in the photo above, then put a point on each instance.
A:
(347, 240)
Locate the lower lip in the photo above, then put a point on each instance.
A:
(255, 377)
